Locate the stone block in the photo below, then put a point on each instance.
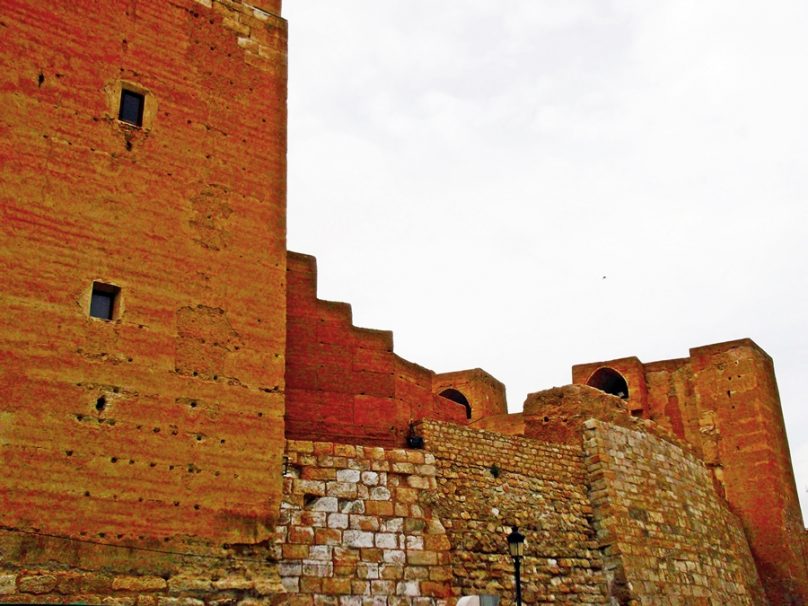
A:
(327, 504)
(144, 583)
(8, 584)
(189, 583)
(364, 522)
(357, 538)
(379, 493)
(337, 520)
(38, 584)
(370, 478)
(349, 475)
(386, 540)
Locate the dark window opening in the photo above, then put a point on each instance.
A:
(610, 381)
(131, 107)
(456, 396)
(103, 301)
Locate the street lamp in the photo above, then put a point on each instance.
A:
(516, 546)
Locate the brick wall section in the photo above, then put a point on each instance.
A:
(132, 432)
(344, 383)
(488, 482)
(667, 537)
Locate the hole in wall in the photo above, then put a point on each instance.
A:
(100, 403)
(610, 381)
(104, 301)
(131, 107)
(40, 79)
(456, 396)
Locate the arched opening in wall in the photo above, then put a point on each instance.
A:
(610, 381)
(456, 396)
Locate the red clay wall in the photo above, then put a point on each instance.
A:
(344, 383)
(736, 390)
(486, 395)
(134, 431)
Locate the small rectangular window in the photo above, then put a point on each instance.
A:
(131, 107)
(103, 301)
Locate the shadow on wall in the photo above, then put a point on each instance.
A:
(610, 381)
(456, 396)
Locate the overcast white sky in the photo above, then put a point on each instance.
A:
(468, 171)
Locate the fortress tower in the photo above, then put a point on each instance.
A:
(143, 318)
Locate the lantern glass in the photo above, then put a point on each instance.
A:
(516, 543)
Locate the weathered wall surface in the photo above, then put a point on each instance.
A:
(376, 526)
(666, 535)
(488, 482)
(723, 401)
(161, 429)
(485, 394)
(354, 528)
(345, 383)
(744, 438)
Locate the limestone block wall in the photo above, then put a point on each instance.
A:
(354, 529)
(126, 437)
(667, 537)
(365, 525)
(488, 482)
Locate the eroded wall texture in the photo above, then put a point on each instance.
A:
(400, 526)
(173, 409)
(666, 535)
(723, 401)
(629, 519)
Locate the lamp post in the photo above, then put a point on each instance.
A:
(516, 546)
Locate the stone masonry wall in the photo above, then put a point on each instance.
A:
(354, 532)
(488, 482)
(366, 526)
(667, 537)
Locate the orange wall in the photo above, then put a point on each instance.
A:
(187, 217)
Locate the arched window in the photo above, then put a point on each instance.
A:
(610, 381)
(456, 396)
